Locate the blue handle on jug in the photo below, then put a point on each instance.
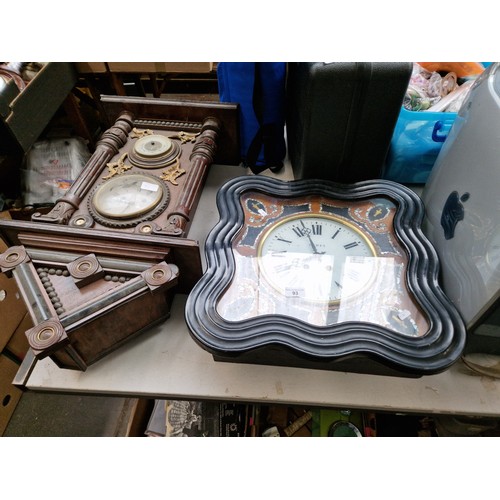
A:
(438, 126)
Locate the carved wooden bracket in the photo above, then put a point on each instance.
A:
(84, 306)
(12, 257)
(47, 337)
(85, 270)
(161, 275)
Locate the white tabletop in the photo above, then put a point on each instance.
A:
(165, 362)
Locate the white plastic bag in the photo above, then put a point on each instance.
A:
(51, 167)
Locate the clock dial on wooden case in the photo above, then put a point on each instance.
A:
(145, 176)
(128, 196)
(126, 215)
(154, 151)
(153, 146)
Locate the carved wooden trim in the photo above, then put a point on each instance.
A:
(85, 269)
(12, 257)
(72, 297)
(184, 252)
(151, 109)
(161, 275)
(168, 125)
(201, 157)
(47, 337)
(108, 146)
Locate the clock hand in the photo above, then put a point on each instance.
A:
(307, 233)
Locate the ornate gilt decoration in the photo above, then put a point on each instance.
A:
(117, 167)
(138, 133)
(185, 136)
(173, 172)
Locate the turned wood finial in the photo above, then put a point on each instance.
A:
(85, 270)
(12, 257)
(46, 337)
(116, 136)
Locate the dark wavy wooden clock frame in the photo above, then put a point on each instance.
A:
(355, 346)
(86, 284)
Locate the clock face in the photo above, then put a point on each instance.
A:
(153, 151)
(316, 257)
(153, 146)
(322, 261)
(128, 196)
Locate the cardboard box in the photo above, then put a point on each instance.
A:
(91, 67)
(27, 113)
(160, 67)
(18, 344)
(139, 417)
(9, 394)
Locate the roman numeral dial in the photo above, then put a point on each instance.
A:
(316, 257)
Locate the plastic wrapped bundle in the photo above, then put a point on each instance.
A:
(51, 167)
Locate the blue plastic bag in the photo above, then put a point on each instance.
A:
(259, 89)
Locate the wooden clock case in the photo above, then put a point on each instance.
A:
(198, 132)
(90, 283)
(272, 327)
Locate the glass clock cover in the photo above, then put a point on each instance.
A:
(127, 196)
(306, 256)
(323, 270)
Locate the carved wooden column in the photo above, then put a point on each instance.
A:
(108, 146)
(201, 157)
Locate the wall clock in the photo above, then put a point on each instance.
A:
(115, 245)
(148, 169)
(316, 274)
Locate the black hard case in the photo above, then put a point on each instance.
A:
(341, 117)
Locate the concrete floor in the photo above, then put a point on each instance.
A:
(40, 414)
